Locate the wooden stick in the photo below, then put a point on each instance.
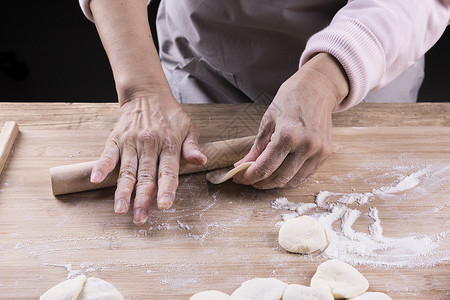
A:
(76, 178)
(7, 138)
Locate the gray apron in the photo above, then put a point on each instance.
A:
(237, 51)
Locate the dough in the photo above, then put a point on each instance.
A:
(372, 296)
(96, 288)
(302, 235)
(343, 280)
(301, 292)
(210, 295)
(66, 290)
(261, 289)
(222, 175)
(82, 288)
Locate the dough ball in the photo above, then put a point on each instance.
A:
(261, 289)
(301, 292)
(302, 235)
(80, 288)
(343, 280)
(372, 296)
(211, 295)
(96, 288)
(66, 290)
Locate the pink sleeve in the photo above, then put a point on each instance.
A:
(375, 41)
(84, 4)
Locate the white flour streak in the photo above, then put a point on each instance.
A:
(183, 225)
(347, 222)
(375, 229)
(305, 207)
(407, 183)
(72, 273)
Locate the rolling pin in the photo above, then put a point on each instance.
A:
(76, 177)
(7, 138)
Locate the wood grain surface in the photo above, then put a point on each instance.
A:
(215, 237)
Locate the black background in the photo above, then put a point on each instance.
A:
(66, 61)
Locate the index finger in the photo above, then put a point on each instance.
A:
(107, 162)
(264, 166)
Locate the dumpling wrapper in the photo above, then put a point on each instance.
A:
(66, 290)
(222, 175)
(82, 288)
(211, 295)
(96, 288)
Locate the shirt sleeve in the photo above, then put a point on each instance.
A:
(85, 7)
(375, 41)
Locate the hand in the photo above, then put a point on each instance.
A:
(149, 138)
(294, 137)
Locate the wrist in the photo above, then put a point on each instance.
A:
(129, 92)
(329, 75)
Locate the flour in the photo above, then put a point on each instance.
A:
(303, 208)
(184, 225)
(348, 220)
(375, 229)
(372, 248)
(72, 273)
(288, 216)
(407, 183)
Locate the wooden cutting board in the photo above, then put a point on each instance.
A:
(215, 237)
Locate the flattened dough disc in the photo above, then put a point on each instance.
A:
(222, 175)
(66, 290)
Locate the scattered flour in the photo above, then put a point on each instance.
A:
(183, 225)
(72, 273)
(375, 229)
(371, 248)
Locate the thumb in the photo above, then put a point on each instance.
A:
(190, 149)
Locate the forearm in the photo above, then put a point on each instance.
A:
(375, 41)
(125, 33)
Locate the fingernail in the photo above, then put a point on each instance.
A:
(96, 176)
(139, 216)
(165, 202)
(203, 157)
(121, 207)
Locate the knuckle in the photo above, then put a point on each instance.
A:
(171, 144)
(168, 173)
(145, 178)
(114, 137)
(280, 181)
(262, 172)
(295, 183)
(108, 159)
(129, 139)
(312, 144)
(149, 137)
(127, 173)
(288, 138)
(326, 151)
(299, 178)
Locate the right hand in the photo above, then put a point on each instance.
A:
(151, 135)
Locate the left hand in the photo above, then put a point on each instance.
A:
(294, 137)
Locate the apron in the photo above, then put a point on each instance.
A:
(241, 51)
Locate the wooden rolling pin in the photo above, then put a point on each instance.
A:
(76, 178)
(7, 138)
